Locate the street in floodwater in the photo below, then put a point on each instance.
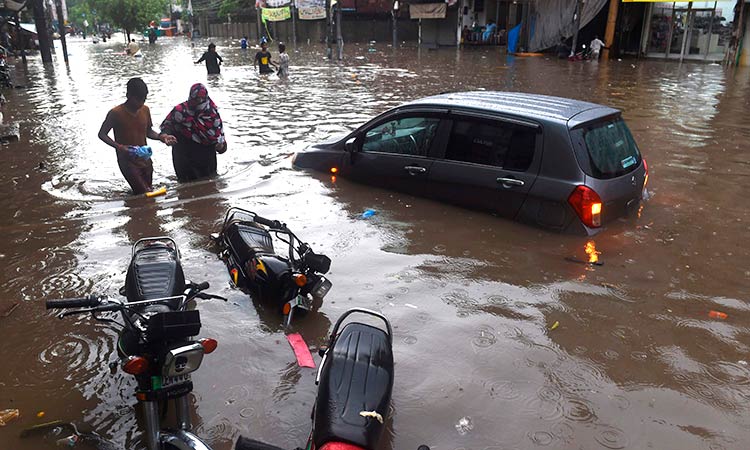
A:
(635, 361)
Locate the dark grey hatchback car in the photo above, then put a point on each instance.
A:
(557, 163)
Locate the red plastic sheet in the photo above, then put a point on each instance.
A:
(304, 358)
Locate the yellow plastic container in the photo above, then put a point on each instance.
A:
(161, 191)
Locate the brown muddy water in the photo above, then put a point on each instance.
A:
(635, 362)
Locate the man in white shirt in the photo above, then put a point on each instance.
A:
(596, 47)
(133, 47)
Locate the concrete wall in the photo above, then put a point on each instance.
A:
(353, 28)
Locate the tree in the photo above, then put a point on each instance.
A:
(130, 15)
(235, 7)
(78, 11)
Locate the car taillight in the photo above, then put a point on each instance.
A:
(588, 205)
(339, 446)
(209, 345)
(135, 365)
(645, 179)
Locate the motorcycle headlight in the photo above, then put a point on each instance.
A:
(321, 288)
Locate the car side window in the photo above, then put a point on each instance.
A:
(492, 143)
(403, 136)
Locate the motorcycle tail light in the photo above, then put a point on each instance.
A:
(135, 365)
(209, 345)
(299, 279)
(321, 288)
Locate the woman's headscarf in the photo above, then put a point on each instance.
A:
(196, 119)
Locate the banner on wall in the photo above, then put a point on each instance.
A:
(427, 10)
(311, 9)
(276, 14)
(271, 3)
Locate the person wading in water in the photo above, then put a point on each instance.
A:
(131, 123)
(200, 135)
(213, 60)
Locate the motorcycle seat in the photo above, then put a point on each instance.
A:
(154, 272)
(357, 376)
(246, 240)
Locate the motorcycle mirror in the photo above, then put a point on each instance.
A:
(318, 263)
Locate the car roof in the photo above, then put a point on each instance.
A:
(520, 104)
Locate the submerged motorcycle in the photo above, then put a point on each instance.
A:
(292, 282)
(156, 342)
(355, 380)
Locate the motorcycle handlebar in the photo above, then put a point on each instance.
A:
(267, 222)
(202, 286)
(81, 302)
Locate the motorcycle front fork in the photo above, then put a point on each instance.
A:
(153, 426)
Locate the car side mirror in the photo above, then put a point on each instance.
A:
(350, 145)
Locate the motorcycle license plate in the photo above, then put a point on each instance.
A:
(301, 302)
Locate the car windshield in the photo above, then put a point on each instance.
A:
(612, 149)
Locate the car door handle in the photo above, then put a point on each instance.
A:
(508, 182)
(415, 169)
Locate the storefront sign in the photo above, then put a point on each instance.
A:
(427, 10)
(311, 9)
(276, 14)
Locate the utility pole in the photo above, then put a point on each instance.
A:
(394, 13)
(577, 27)
(339, 37)
(329, 29)
(45, 42)
(292, 8)
(21, 38)
(61, 26)
(609, 34)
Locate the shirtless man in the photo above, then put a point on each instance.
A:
(131, 122)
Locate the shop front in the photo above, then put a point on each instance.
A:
(687, 31)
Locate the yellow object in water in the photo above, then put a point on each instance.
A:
(554, 325)
(40, 414)
(161, 191)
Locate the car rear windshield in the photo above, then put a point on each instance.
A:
(611, 148)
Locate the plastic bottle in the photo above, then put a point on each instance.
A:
(143, 151)
(7, 415)
(368, 213)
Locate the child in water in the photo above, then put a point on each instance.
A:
(283, 65)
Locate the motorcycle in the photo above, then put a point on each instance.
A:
(293, 282)
(355, 380)
(156, 342)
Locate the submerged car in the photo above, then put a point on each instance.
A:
(553, 162)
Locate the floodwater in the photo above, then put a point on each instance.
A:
(635, 360)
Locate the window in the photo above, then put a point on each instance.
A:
(403, 136)
(611, 148)
(492, 144)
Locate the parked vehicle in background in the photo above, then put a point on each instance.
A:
(561, 164)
